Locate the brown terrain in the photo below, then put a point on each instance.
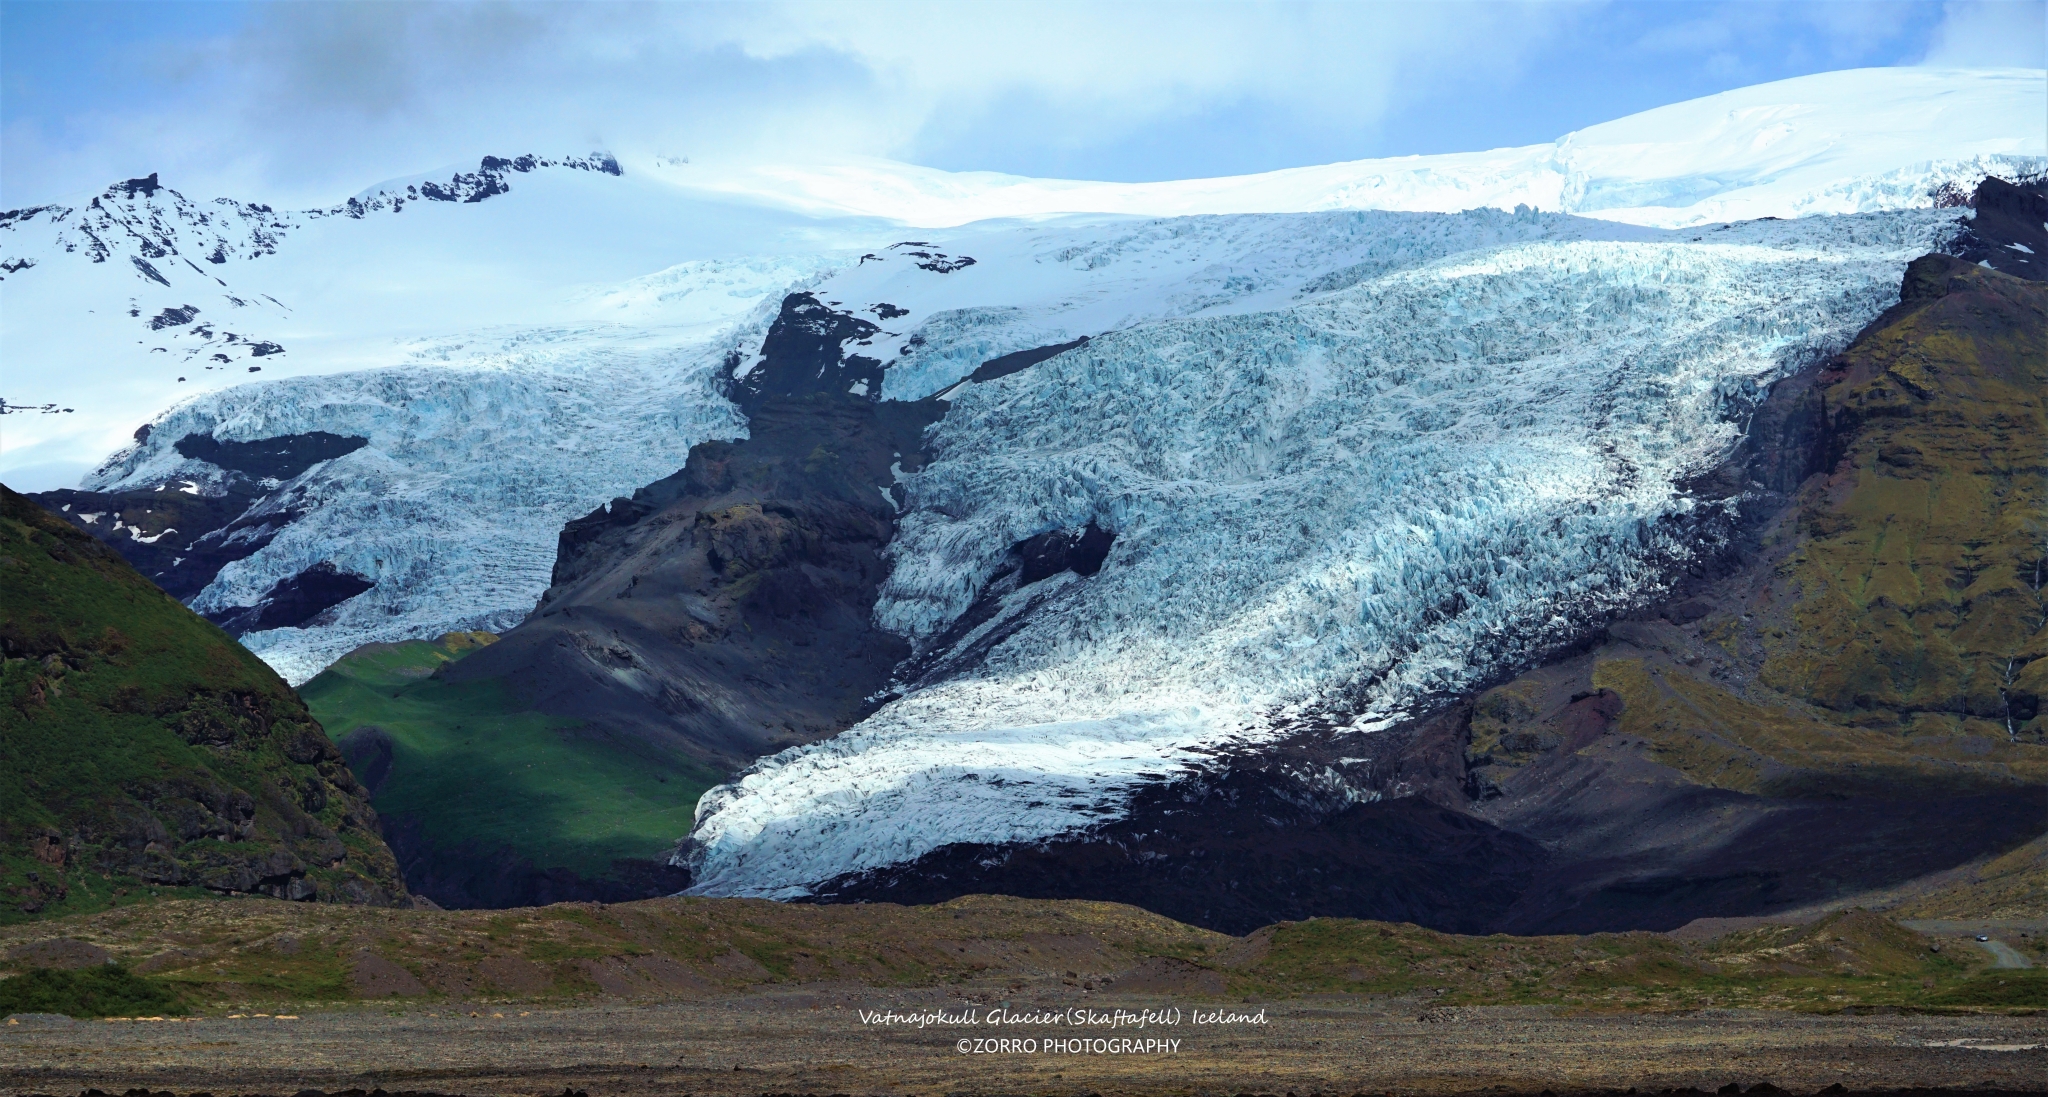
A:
(815, 1043)
(744, 996)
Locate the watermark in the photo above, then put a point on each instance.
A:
(1061, 1017)
(1065, 1045)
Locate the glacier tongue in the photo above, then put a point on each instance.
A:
(1350, 505)
(474, 462)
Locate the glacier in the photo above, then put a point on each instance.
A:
(1347, 507)
(577, 312)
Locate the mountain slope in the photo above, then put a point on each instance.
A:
(141, 749)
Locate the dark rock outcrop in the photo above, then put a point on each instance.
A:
(179, 539)
(180, 533)
(1019, 361)
(2009, 228)
(726, 612)
(293, 601)
(278, 458)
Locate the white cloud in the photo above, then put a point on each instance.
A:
(309, 98)
(302, 103)
(1991, 34)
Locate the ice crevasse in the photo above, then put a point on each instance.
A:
(1350, 506)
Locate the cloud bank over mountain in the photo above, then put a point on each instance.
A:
(291, 102)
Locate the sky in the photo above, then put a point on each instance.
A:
(304, 103)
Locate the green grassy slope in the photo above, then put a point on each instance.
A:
(142, 750)
(473, 769)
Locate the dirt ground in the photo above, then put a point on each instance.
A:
(814, 1041)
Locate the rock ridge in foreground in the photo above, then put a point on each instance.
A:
(141, 749)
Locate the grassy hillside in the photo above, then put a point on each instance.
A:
(1917, 582)
(143, 752)
(245, 953)
(462, 770)
(1896, 634)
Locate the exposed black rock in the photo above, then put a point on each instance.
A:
(15, 216)
(1237, 858)
(293, 602)
(726, 611)
(1018, 361)
(487, 181)
(181, 533)
(179, 539)
(131, 188)
(804, 353)
(143, 267)
(171, 318)
(279, 458)
(967, 642)
(2009, 232)
(1048, 554)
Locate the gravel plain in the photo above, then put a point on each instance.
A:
(815, 1041)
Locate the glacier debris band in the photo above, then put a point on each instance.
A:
(1353, 504)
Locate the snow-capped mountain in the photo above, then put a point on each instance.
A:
(169, 298)
(1836, 142)
(500, 349)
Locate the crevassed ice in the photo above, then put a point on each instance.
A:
(472, 467)
(1361, 502)
(481, 445)
(1035, 285)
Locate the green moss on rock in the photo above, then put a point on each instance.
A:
(144, 752)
